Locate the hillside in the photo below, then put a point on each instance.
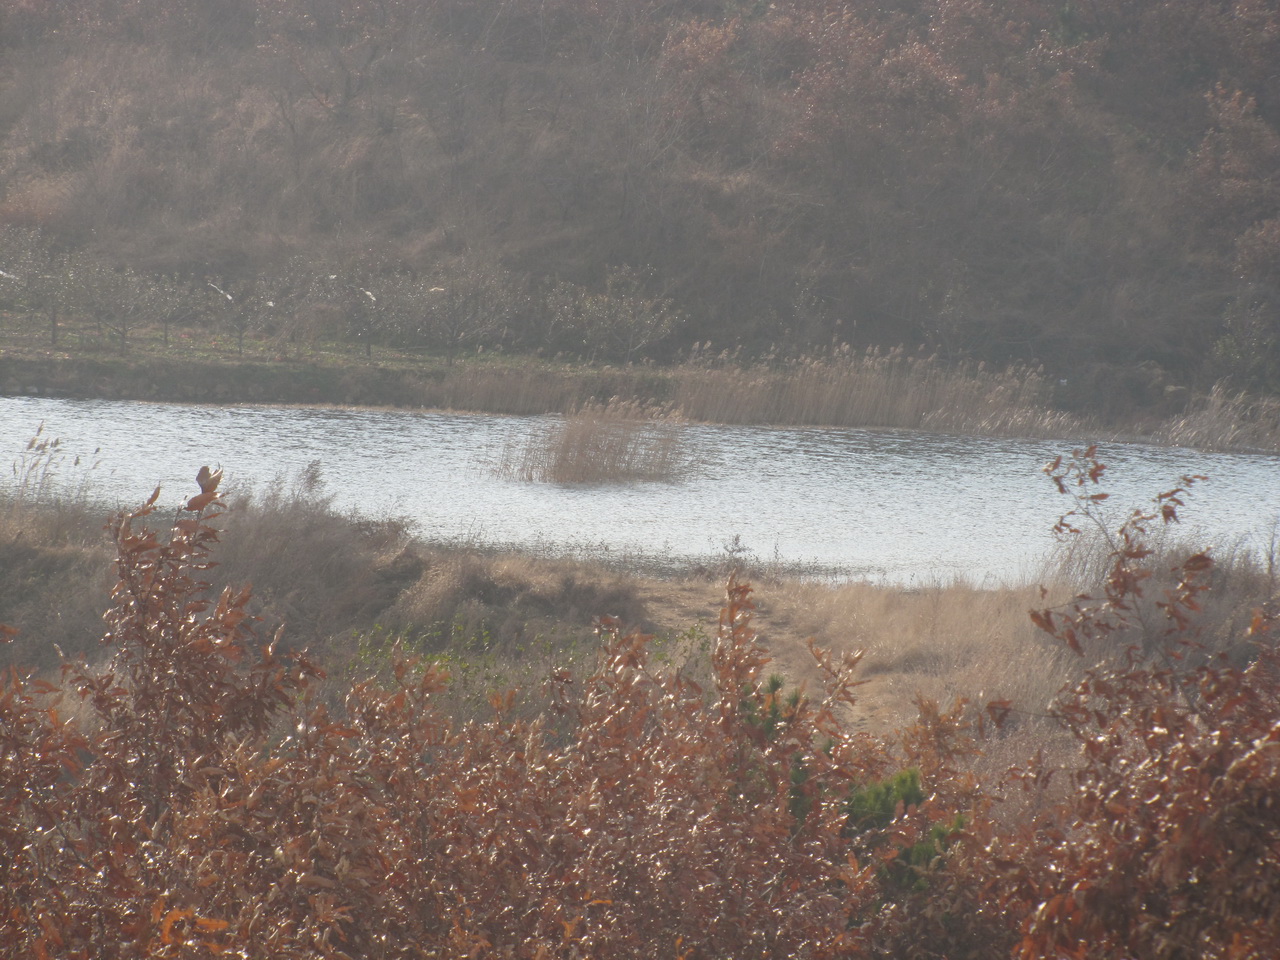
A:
(1092, 185)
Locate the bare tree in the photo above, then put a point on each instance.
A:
(175, 302)
(366, 296)
(467, 304)
(617, 323)
(35, 279)
(120, 299)
(251, 305)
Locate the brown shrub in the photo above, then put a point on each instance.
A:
(203, 806)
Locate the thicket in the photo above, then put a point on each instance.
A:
(1080, 183)
(204, 791)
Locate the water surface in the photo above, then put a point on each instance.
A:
(886, 505)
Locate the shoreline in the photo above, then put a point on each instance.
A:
(820, 394)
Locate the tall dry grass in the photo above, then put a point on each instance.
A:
(321, 573)
(54, 558)
(1243, 578)
(875, 389)
(843, 389)
(948, 642)
(49, 486)
(1225, 419)
(619, 441)
(940, 642)
(341, 585)
(346, 586)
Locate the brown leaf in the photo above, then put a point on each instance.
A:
(200, 501)
(208, 480)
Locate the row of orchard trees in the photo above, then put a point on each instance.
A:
(463, 304)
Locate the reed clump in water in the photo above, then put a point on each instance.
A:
(620, 441)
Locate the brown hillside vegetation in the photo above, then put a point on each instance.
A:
(1087, 184)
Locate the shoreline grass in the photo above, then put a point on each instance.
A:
(845, 388)
(507, 614)
(893, 389)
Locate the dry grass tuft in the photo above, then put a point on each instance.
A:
(50, 491)
(321, 573)
(616, 442)
(1243, 579)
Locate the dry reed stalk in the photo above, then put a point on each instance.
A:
(616, 442)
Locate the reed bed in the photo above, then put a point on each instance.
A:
(846, 388)
(843, 388)
(48, 481)
(620, 441)
(875, 389)
(1226, 420)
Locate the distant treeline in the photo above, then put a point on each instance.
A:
(1084, 183)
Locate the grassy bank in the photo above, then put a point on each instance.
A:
(506, 618)
(841, 389)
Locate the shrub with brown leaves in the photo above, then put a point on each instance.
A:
(204, 802)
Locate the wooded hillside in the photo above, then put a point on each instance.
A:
(1081, 183)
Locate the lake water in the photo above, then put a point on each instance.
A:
(884, 505)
